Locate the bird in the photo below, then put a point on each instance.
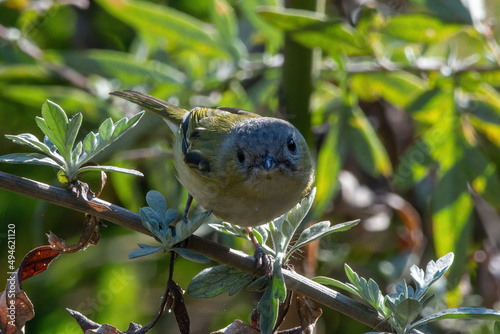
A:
(244, 168)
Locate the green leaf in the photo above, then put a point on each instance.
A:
(413, 166)
(163, 22)
(125, 67)
(29, 158)
(31, 141)
(397, 88)
(109, 169)
(420, 28)
(268, 308)
(72, 129)
(144, 250)
(290, 19)
(433, 272)
(366, 145)
(458, 313)
(337, 284)
(265, 32)
(185, 230)
(108, 133)
(317, 231)
(191, 255)
(54, 125)
(213, 281)
(330, 159)
(405, 312)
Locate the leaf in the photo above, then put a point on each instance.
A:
(413, 166)
(122, 66)
(319, 230)
(420, 28)
(55, 126)
(73, 127)
(191, 255)
(29, 158)
(108, 133)
(309, 313)
(458, 313)
(366, 145)
(213, 281)
(14, 299)
(144, 250)
(337, 284)
(36, 261)
(268, 308)
(404, 312)
(31, 141)
(330, 159)
(159, 21)
(109, 169)
(290, 19)
(433, 272)
(397, 88)
(185, 230)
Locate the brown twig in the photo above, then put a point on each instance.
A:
(212, 250)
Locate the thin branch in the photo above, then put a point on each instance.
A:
(212, 250)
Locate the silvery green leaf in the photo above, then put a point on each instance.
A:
(319, 230)
(337, 284)
(278, 281)
(144, 250)
(259, 284)
(191, 255)
(29, 140)
(54, 124)
(52, 147)
(433, 272)
(374, 293)
(184, 230)
(268, 309)
(457, 313)
(406, 312)
(108, 133)
(230, 229)
(215, 280)
(29, 158)
(106, 129)
(109, 169)
(262, 231)
(72, 129)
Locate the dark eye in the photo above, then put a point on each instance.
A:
(291, 145)
(241, 156)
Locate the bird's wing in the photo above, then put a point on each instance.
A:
(203, 131)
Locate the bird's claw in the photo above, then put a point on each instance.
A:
(263, 260)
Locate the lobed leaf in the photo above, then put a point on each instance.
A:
(29, 158)
(213, 281)
(144, 250)
(457, 313)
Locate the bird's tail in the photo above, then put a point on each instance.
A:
(164, 109)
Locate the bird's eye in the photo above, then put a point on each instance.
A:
(241, 156)
(291, 145)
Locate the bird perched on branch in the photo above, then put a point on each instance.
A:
(246, 168)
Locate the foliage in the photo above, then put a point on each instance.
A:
(58, 148)
(281, 230)
(403, 307)
(157, 218)
(405, 96)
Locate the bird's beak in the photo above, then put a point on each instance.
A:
(268, 162)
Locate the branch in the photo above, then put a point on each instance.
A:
(212, 250)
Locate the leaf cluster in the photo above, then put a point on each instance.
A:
(58, 147)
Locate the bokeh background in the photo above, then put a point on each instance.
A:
(398, 99)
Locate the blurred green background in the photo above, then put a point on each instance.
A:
(398, 99)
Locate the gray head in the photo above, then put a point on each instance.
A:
(270, 148)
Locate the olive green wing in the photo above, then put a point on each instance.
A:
(203, 131)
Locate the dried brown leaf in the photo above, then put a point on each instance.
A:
(36, 261)
(309, 313)
(15, 307)
(237, 327)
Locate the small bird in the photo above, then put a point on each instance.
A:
(245, 168)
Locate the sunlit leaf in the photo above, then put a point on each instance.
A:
(330, 159)
(366, 145)
(397, 88)
(29, 158)
(165, 22)
(420, 28)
